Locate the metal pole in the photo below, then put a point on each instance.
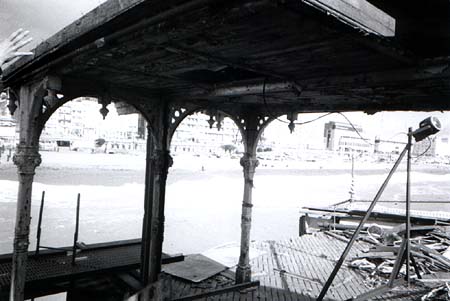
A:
(75, 235)
(408, 200)
(38, 235)
(358, 229)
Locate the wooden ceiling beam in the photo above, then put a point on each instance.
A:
(433, 75)
(224, 61)
(89, 33)
(386, 47)
(359, 14)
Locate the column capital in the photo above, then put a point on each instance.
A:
(27, 158)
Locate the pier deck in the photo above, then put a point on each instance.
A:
(296, 269)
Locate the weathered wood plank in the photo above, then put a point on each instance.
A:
(360, 13)
(307, 262)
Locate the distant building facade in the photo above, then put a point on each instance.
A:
(342, 137)
(195, 135)
(388, 147)
(78, 122)
(438, 145)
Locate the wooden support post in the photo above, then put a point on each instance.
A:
(26, 159)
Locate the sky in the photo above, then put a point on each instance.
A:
(44, 18)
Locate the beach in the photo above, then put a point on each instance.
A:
(203, 197)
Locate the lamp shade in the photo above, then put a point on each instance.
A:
(427, 127)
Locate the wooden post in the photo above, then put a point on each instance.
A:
(26, 159)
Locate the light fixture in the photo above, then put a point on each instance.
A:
(427, 127)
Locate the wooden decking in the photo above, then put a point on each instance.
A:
(295, 269)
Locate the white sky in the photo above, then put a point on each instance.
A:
(42, 18)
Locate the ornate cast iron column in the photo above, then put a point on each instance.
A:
(251, 125)
(161, 163)
(162, 122)
(26, 159)
(148, 195)
(249, 164)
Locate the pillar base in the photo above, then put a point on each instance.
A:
(243, 274)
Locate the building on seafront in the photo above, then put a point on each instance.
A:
(78, 125)
(438, 145)
(344, 137)
(196, 135)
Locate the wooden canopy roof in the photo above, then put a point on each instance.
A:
(283, 55)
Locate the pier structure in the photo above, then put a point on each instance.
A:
(252, 61)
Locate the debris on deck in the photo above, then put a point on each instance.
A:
(379, 262)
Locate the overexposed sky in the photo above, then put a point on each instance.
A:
(42, 18)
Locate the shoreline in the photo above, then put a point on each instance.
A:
(114, 170)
